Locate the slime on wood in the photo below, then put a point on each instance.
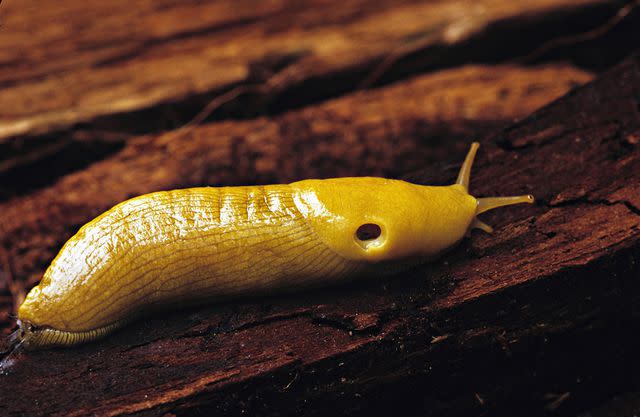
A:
(198, 245)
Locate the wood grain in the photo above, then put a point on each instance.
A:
(117, 57)
(384, 132)
(455, 330)
(539, 318)
(78, 79)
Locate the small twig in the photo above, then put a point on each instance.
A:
(579, 37)
(29, 157)
(286, 387)
(557, 400)
(393, 57)
(406, 49)
(272, 84)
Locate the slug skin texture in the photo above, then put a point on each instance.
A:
(202, 245)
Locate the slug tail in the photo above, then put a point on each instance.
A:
(35, 338)
(465, 171)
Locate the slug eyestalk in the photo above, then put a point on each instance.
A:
(486, 203)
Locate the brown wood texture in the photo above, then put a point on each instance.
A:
(488, 299)
(113, 58)
(79, 78)
(384, 132)
(538, 318)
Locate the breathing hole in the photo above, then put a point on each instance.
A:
(368, 231)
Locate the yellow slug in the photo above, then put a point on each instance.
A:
(205, 244)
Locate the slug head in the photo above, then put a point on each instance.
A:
(375, 219)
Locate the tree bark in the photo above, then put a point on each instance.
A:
(115, 59)
(519, 308)
(538, 318)
(384, 132)
(83, 77)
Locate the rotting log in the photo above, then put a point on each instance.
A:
(117, 57)
(385, 132)
(83, 77)
(540, 315)
(448, 105)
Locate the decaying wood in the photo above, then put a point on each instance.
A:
(539, 317)
(383, 132)
(101, 54)
(520, 314)
(118, 68)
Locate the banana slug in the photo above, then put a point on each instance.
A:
(204, 244)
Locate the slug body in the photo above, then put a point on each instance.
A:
(205, 244)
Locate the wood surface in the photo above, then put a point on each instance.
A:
(65, 63)
(78, 78)
(488, 298)
(383, 132)
(538, 318)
